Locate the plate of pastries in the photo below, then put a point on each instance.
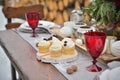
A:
(53, 50)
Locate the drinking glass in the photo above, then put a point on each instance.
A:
(33, 19)
(94, 42)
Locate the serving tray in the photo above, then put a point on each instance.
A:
(103, 58)
(45, 57)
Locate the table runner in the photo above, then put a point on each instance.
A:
(82, 61)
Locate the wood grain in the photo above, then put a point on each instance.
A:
(23, 58)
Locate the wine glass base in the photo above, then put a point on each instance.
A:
(94, 68)
(34, 35)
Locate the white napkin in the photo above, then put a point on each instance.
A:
(113, 73)
(104, 75)
(114, 64)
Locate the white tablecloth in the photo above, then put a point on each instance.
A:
(82, 62)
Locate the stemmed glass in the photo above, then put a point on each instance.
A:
(33, 19)
(94, 42)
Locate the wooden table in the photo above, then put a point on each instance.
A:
(23, 59)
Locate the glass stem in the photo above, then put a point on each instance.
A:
(33, 32)
(94, 61)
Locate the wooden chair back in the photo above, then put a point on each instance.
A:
(19, 12)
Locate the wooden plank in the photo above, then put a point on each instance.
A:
(23, 58)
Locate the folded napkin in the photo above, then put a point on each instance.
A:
(104, 75)
(113, 73)
(114, 64)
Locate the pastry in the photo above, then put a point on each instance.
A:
(43, 46)
(68, 46)
(56, 41)
(55, 50)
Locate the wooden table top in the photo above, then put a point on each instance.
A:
(23, 57)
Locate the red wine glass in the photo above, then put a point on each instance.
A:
(33, 19)
(94, 42)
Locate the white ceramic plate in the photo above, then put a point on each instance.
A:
(43, 27)
(64, 58)
(46, 24)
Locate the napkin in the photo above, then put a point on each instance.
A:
(113, 73)
(104, 75)
(114, 64)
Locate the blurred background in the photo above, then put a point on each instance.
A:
(52, 8)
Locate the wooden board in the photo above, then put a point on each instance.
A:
(45, 57)
(57, 32)
(23, 57)
(104, 58)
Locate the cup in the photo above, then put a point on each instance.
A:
(81, 30)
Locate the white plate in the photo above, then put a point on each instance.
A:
(64, 58)
(43, 27)
(41, 24)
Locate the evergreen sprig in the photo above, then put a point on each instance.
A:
(103, 11)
